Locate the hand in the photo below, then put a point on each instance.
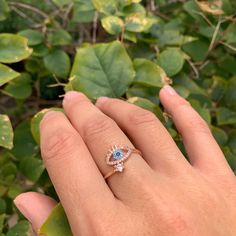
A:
(159, 193)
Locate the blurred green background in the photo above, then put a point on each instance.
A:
(116, 48)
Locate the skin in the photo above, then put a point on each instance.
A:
(159, 193)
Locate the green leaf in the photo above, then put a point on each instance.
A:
(32, 168)
(102, 70)
(3, 206)
(105, 6)
(58, 63)
(196, 49)
(34, 37)
(22, 228)
(225, 116)
(148, 105)
(193, 10)
(61, 3)
(19, 88)
(190, 84)
(6, 132)
(60, 37)
(203, 112)
(112, 24)
(40, 50)
(171, 60)
(128, 2)
(13, 48)
(230, 157)
(220, 135)
(2, 219)
(56, 224)
(230, 95)
(218, 88)
(138, 23)
(232, 140)
(182, 91)
(148, 73)
(7, 74)
(24, 144)
(132, 9)
(4, 10)
(229, 37)
(150, 93)
(83, 11)
(35, 122)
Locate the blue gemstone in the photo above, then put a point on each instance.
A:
(118, 154)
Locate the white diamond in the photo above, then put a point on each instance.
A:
(119, 167)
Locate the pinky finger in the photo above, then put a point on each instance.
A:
(36, 207)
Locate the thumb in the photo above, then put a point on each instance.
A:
(36, 207)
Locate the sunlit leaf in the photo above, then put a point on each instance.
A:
(13, 48)
(149, 73)
(35, 122)
(102, 70)
(7, 74)
(6, 132)
(112, 24)
(56, 224)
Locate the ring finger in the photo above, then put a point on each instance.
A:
(100, 132)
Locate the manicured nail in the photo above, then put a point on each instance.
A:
(71, 95)
(23, 209)
(168, 89)
(48, 114)
(102, 100)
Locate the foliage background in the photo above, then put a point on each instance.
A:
(47, 47)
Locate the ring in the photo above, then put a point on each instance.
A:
(116, 156)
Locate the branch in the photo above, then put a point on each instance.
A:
(29, 7)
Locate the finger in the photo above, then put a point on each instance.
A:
(76, 178)
(147, 133)
(100, 133)
(36, 207)
(203, 151)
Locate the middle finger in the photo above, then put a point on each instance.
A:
(100, 132)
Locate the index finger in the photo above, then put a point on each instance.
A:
(75, 176)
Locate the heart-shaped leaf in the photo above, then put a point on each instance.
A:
(102, 70)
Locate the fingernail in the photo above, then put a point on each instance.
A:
(71, 95)
(48, 114)
(168, 89)
(23, 209)
(102, 100)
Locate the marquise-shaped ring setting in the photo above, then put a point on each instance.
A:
(116, 157)
(117, 154)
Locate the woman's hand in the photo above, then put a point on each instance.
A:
(159, 193)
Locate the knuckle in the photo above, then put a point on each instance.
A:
(141, 116)
(178, 223)
(59, 145)
(95, 127)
